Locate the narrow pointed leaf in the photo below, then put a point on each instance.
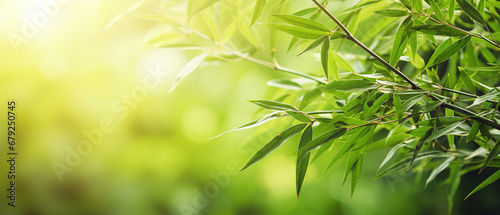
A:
(300, 32)
(259, 6)
(438, 51)
(349, 85)
(452, 49)
(442, 30)
(400, 41)
(302, 22)
(356, 174)
(325, 51)
(284, 84)
(301, 167)
(253, 124)
(486, 182)
(419, 146)
(392, 13)
(471, 11)
(407, 105)
(313, 45)
(437, 10)
(319, 141)
(439, 169)
(275, 143)
(473, 131)
(454, 182)
(309, 97)
(300, 116)
(390, 154)
(204, 5)
(493, 153)
(351, 162)
(190, 67)
(273, 105)
(444, 131)
(467, 80)
(376, 105)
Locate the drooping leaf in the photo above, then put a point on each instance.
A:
(407, 105)
(437, 10)
(302, 22)
(439, 169)
(442, 30)
(486, 182)
(275, 143)
(300, 32)
(392, 12)
(356, 174)
(438, 51)
(300, 116)
(400, 41)
(471, 11)
(419, 146)
(391, 154)
(301, 167)
(493, 153)
(444, 131)
(309, 97)
(273, 105)
(325, 51)
(403, 164)
(473, 131)
(253, 124)
(285, 84)
(376, 105)
(204, 5)
(349, 85)
(320, 140)
(259, 6)
(190, 67)
(313, 45)
(454, 181)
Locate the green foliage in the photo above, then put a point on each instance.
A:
(370, 104)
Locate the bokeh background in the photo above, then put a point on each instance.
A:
(76, 69)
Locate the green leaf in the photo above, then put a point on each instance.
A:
(376, 105)
(254, 123)
(204, 5)
(392, 13)
(452, 49)
(400, 41)
(493, 153)
(190, 67)
(356, 173)
(467, 80)
(407, 4)
(314, 44)
(302, 22)
(320, 140)
(285, 84)
(300, 116)
(443, 30)
(259, 6)
(349, 85)
(325, 51)
(342, 62)
(437, 10)
(300, 32)
(419, 146)
(404, 163)
(486, 182)
(273, 105)
(454, 181)
(309, 97)
(471, 11)
(390, 154)
(333, 66)
(439, 169)
(407, 105)
(275, 143)
(301, 167)
(451, 10)
(473, 131)
(438, 51)
(444, 131)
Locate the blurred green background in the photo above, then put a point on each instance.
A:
(73, 72)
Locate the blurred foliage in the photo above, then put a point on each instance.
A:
(90, 56)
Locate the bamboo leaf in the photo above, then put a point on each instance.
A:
(325, 51)
(259, 6)
(302, 22)
(273, 105)
(376, 105)
(467, 80)
(313, 45)
(284, 84)
(452, 49)
(300, 32)
(444, 131)
(204, 5)
(253, 124)
(300, 116)
(407, 105)
(301, 167)
(407, 4)
(275, 143)
(356, 174)
(471, 11)
(493, 153)
(437, 10)
(454, 181)
(400, 41)
(319, 141)
(390, 154)
(309, 97)
(190, 67)
(419, 146)
(473, 131)
(486, 182)
(438, 51)
(439, 169)
(442, 30)
(349, 85)
(392, 13)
